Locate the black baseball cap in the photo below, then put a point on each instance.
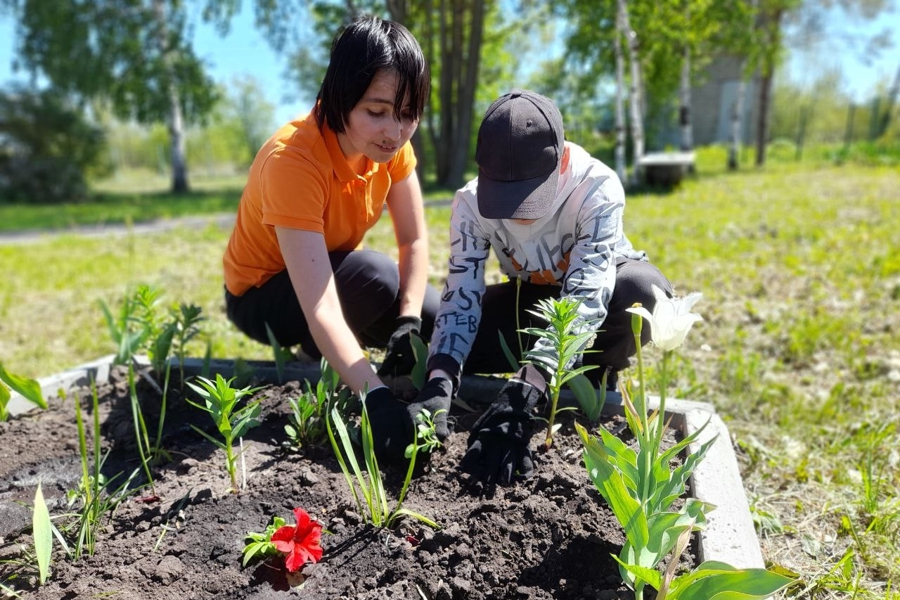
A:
(520, 145)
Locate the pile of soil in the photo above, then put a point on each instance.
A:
(551, 537)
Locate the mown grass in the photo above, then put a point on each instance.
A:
(798, 351)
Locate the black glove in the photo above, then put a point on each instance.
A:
(392, 427)
(399, 358)
(498, 445)
(434, 397)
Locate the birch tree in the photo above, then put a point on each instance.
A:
(636, 92)
(621, 124)
(134, 55)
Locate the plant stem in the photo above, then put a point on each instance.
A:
(157, 444)
(646, 436)
(553, 400)
(138, 425)
(229, 459)
(518, 325)
(663, 383)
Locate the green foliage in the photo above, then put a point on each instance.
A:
(27, 388)
(43, 535)
(92, 498)
(279, 353)
(370, 486)
(310, 409)
(139, 325)
(46, 148)
(220, 401)
(132, 55)
(260, 544)
(568, 335)
(426, 436)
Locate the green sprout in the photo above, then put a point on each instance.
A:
(568, 334)
(260, 544)
(309, 410)
(220, 400)
(371, 486)
(424, 432)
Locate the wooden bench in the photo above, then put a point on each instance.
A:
(666, 168)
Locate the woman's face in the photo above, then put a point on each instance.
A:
(371, 129)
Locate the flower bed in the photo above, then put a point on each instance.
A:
(550, 537)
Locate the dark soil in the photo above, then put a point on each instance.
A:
(551, 537)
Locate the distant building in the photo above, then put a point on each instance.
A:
(712, 103)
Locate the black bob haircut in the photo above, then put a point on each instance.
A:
(366, 45)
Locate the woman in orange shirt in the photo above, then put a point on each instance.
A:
(318, 184)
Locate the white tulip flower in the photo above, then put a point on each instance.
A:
(671, 319)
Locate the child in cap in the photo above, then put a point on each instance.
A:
(554, 217)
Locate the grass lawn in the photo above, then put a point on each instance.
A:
(799, 349)
(140, 197)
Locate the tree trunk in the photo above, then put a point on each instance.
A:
(177, 137)
(762, 118)
(467, 86)
(687, 128)
(176, 117)
(737, 121)
(460, 37)
(620, 103)
(636, 98)
(891, 102)
(769, 28)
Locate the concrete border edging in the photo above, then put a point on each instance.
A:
(729, 537)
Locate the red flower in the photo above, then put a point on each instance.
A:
(300, 543)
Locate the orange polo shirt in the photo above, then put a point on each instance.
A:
(301, 180)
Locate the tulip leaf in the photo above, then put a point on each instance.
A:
(714, 580)
(43, 534)
(4, 400)
(587, 397)
(28, 388)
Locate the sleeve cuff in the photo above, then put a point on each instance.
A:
(447, 363)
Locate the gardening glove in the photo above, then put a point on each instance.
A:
(435, 398)
(399, 359)
(392, 426)
(498, 445)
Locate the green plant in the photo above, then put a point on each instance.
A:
(186, 321)
(641, 486)
(426, 437)
(260, 544)
(91, 496)
(43, 535)
(298, 543)
(220, 400)
(27, 388)
(309, 410)
(129, 330)
(371, 487)
(568, 335)
(279, 354)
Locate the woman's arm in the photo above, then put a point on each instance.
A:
(306, 258)
(407, 210)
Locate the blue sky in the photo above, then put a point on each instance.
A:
(245, 51)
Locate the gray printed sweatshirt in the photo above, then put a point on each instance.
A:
(575, 247)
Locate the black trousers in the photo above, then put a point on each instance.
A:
(615, 340)
(368, 286)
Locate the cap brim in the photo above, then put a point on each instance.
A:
(524, 199)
